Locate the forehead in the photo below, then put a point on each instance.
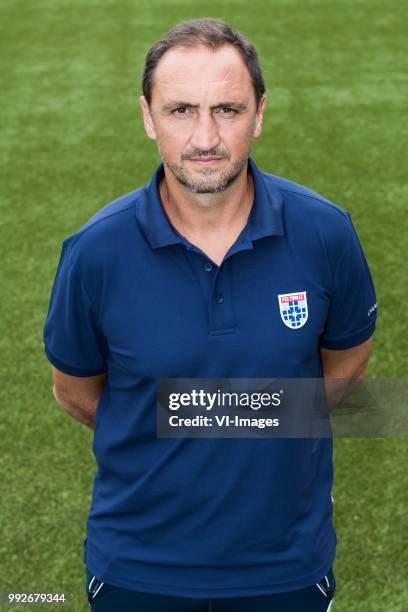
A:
(195, 72)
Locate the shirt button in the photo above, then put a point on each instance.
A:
(208, 267)
(220, 299)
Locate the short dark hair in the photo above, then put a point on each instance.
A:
(210, 33)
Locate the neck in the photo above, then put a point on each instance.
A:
(206, 214)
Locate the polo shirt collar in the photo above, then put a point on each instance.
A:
(264, 220)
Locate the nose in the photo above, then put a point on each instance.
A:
(205, 133)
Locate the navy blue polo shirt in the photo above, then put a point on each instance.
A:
(207, 517)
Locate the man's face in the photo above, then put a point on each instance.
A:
(203, 116)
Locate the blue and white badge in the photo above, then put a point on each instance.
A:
(293, 309)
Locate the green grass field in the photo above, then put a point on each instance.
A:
(72, 140)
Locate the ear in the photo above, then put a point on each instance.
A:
(259, 117)
(147, 119)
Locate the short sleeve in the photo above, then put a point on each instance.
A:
(353, 308)
(73, 341)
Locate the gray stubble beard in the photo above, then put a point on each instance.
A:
(202, 186)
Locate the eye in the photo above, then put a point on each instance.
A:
(180, 108)
(227, 110)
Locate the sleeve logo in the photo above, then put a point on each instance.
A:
(372, 309)
(293, 309)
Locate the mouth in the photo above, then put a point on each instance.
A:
(206, 161)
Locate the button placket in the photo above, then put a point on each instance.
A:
(221, 314)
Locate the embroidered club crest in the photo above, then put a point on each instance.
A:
(293, 309)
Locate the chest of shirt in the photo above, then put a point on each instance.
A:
(178, 314)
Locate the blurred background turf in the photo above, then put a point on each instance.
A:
(72, 140)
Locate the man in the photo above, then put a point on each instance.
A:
(187, 277)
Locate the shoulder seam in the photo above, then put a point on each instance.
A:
(317, 198)
(71, 264)
(340, 261)
(83, 230)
